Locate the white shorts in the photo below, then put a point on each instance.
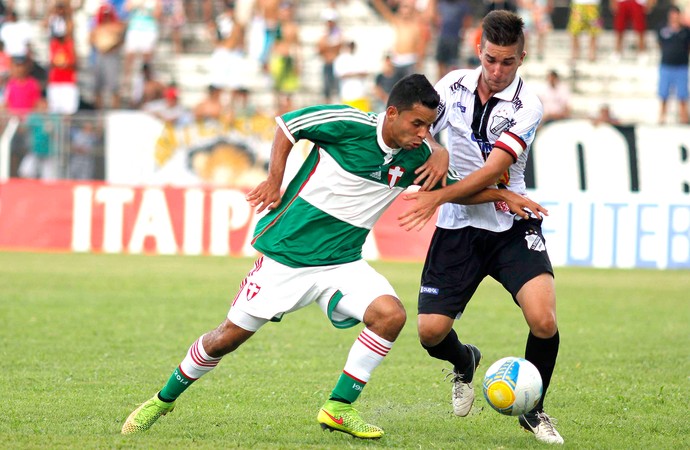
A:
(140, 41)
(63, 98)
(228, 69)
(343, 292)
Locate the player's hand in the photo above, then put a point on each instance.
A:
(265, 195)
(433, 170)
(423, 208)
(522, 206)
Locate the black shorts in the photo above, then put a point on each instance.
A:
(458, 260)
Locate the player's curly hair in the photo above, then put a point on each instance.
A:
(411, 90)
(503, 28)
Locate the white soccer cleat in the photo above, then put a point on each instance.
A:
(463, 391)
(542, 426)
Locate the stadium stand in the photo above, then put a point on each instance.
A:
(628, 87)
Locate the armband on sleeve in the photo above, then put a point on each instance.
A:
(511, 143)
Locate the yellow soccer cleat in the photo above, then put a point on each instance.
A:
(146, 415)
(338, 416)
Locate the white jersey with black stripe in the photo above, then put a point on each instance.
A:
(506, 122)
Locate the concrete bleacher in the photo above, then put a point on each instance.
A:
(628, 86)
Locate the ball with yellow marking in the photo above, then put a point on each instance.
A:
(512, 386)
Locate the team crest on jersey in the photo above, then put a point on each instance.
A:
(534, 241)
(394, 175)
(500, 123)
(252, 290)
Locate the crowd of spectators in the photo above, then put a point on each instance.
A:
(250, 37)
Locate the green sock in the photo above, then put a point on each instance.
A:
(347, 389)
(176, 385)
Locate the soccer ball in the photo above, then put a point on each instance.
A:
(512, 386)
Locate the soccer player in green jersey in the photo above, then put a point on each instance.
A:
(311, 242)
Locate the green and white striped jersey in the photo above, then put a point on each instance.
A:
(346, 183)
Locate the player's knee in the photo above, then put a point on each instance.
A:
(545, 326)
(429, 335)
(395, 317)
(386, 317)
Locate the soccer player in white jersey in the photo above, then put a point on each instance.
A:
(491, 117)
(312, 237)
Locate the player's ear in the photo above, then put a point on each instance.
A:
(391, 112)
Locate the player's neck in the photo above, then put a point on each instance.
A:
(483, 90)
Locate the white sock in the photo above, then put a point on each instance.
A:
(197, 362)
(366, 354)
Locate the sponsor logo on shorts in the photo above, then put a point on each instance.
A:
(428, 290)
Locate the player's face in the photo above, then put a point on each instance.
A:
(499, 65)
(408, 128)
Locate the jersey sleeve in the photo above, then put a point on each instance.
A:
(321, 124)
(519, 136)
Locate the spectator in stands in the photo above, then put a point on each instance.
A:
(425, 11)
(16, 34)
(452, 18)
(383, 84)
(62, 90)
(106, 38)
(146, 87)
(41, 161)
(85, 138)
(59, 21)
(266, 25)
(169, 109)
(228, 65)
(555, 99)
(630, 12)
(352, 74)
(211, 107)
(408, 38)
(674, 41)
(605, 115)
(142, 33)
(537, 17)
(286, 60)
(173, 20)
(585, 17)
(329, 46)
(23, 91)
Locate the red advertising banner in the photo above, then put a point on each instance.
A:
(100, 217)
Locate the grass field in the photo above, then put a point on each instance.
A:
(85, 338)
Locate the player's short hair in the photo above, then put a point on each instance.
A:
(411, 90)
(503, 28)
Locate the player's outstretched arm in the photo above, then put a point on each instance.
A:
(267, 193)
(425, 203)
(519, 205)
